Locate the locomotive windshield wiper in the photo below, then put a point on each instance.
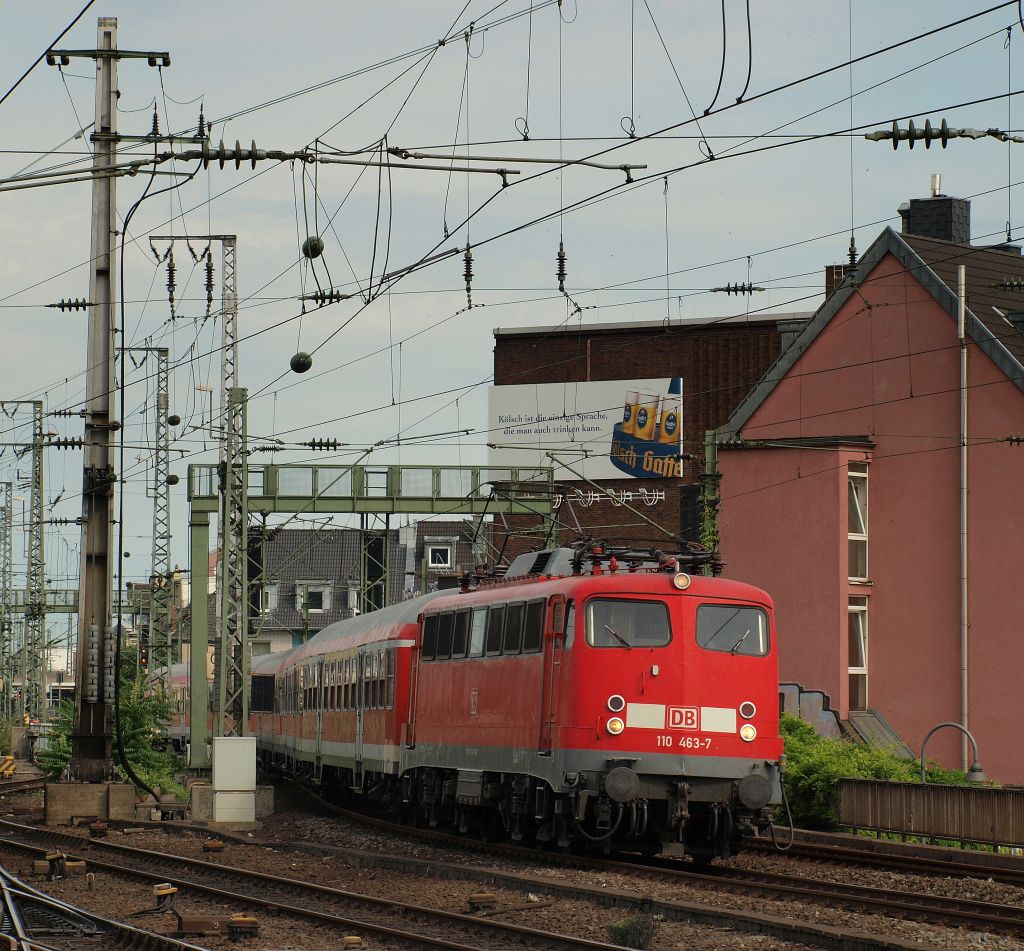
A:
(736, 646)
(618, 637)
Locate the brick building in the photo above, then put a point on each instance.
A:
(719, 361)
(871, 483)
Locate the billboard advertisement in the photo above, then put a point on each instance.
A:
(612, 429)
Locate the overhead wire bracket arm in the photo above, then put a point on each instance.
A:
(405, 154)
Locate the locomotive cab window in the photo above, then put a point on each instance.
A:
(627, 624)
(733, 628)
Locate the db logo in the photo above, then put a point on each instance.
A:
(682, 718)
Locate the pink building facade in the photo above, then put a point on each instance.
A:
(841, 495)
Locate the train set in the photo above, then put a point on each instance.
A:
(588, 699)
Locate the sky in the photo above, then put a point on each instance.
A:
(776, 204)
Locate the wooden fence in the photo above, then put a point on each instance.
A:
(962, 813)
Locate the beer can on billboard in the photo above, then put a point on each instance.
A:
(646, 416)
(668, 424)
(629, 412)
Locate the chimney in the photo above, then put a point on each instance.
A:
(938, 216)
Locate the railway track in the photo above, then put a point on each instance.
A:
(916, 864)
(412, 925)
(31, 920)
(931, 909)
(21, 785)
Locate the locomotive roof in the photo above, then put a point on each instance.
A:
(618, 582)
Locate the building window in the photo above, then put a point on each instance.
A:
(857, 521)
(260, 647)
(858, 653)
(314, 596)
(439, 557)
(270, 592)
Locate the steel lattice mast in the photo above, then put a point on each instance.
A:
(160, 654)
(34, 674)
(6, 598)
(232, 695)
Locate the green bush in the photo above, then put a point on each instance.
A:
(815, 764)
(144, 715)
(636, 931)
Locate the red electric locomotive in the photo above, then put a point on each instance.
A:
(607, 704)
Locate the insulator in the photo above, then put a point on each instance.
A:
(201, 128)
(154, 132)
(301, 362)
(76, 303)
(1015, 284)
(561, 266)
(209, 278)
(322, 444)
(170, 280)
(467, 273)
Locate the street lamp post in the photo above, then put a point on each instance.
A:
(975, 774)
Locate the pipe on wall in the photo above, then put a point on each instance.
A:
(964, 640)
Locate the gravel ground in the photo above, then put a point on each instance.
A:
(297, 820)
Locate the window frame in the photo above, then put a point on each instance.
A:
(615, 645)
(857, 517)
(494, 611)
(733, 651)
(512, 632)
(857, 607)
(537, 607)
(449, 551)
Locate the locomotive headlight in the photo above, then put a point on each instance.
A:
(682, 581)
(747, 710)
(615, 725)
(616, 703)
(748, 732)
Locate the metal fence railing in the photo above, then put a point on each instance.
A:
(961, 813)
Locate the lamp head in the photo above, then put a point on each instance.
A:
(976, 774)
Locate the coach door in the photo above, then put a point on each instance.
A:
(319, 693)
(362, 663)
(554, 642)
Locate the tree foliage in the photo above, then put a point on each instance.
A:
(144, 718)
(815, 764)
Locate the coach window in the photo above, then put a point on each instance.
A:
(626, 624)
(495, 623)
(382, 679)
(513, 642)
(429, 636)
(477, 629)
(334, 684)
(391, 679)
(444, 635)
(533, 629)
(460, 634)
(733, 628)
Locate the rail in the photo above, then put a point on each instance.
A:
(962, 813)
